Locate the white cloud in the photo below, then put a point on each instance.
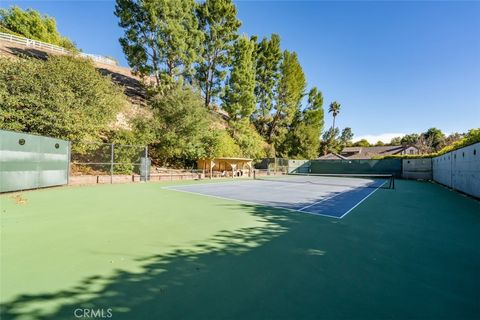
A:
(384, 137)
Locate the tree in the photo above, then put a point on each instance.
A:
(31, 24)
(330, 141)
(346, 136)
(290, 90)
(268, 58)
(239, 99)
(247, 138)
(435, 138)
(409, 139)
(179, 124)
(303, 140)
(219, 143)
(396, 141)
(219, 24)
(62, 97)
(379, 143)
(362, 143)
(161, 37)
(334, 109)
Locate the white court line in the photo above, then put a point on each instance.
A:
(277, 207)
(358, 203)
(328, 198)
(249, 202)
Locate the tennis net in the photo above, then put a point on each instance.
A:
(383, 181)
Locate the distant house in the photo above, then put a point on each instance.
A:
(369, 152)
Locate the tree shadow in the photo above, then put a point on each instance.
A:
(28, 52)
(292, 266)
(204, 282)
(133, 87)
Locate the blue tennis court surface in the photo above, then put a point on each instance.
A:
(331, 197)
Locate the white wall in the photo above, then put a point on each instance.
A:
(459, 169)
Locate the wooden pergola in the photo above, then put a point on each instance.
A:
(225, 167)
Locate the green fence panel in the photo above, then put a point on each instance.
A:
(390, 166)
(29, 161)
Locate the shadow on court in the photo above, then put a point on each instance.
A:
(412, 253)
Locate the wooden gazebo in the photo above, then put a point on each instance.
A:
(225, 167)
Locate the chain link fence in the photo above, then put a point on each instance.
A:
(109, 163)
(272, 165)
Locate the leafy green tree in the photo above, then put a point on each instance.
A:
(396, 141)
(268, 58)
(161, 37)
(179, 125)
(219, 24)
(246, 136)
(63, 97)
(379, 143)
(346, 136)
(330, 141)
(409, 139)
(303, 140)
(239, 98)
(219, 143)
(290, 90)
(362, 143)
(31, 24)
(334, 109)
(435, 138)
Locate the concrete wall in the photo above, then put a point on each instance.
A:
(419, 169)
(459, 169)
(298, 166)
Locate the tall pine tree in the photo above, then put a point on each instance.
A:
(239, 99)
(303, 139)
(268, 57)
(219, 24)
(290, 90)
(161, 36)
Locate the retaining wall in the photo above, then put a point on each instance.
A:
(418, 169)
(459, 169)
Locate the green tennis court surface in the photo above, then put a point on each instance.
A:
(152, 253)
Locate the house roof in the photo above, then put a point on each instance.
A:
(352, 149)
(364, 152)
(332, 156)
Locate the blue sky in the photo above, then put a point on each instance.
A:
(395, 67)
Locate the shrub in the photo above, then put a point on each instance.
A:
(63, 97)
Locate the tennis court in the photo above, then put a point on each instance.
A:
(318, 194)
(150, 252)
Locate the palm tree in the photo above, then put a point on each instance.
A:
(335, 110)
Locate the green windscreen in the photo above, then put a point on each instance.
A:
(383, 166)
(30, 161)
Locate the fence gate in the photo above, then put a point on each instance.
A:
(29, 161)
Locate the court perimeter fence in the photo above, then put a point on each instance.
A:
(30, 161)
(383, 166)
(100, 163)
(108, 163)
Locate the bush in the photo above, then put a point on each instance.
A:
(219, 143)
(179, 125)
(63, 97)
